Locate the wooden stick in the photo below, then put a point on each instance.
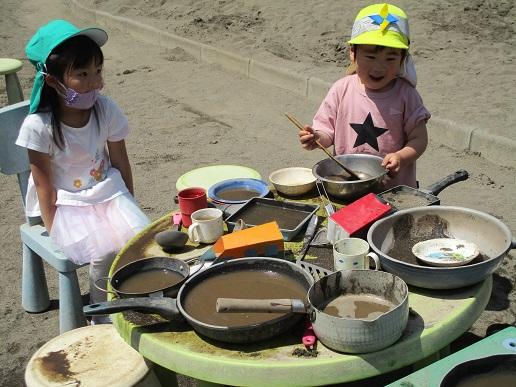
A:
(300, 127)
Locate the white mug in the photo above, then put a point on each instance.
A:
(353, 253)
(207, 225)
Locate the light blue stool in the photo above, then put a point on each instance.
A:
(9, 67)
(37, 245)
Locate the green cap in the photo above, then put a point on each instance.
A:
(45, 40)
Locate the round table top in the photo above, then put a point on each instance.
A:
(437, 318)
(9, 65)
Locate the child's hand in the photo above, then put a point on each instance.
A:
(307, 138)
(392, 162)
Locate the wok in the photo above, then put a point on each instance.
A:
(369, 167)
(392, 239)
(173, 309)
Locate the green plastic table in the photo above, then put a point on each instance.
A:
(501, 343)
(436, 319)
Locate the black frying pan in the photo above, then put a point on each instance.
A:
(402, 196)
(173, 308)
(145, 266)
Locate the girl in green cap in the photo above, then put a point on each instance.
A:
(81, 182)
(376, 109)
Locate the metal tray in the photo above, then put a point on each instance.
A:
(290, 216)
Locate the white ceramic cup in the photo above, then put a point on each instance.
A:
(353, 253)
(207, 225)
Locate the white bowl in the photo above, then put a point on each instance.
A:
(293, 181)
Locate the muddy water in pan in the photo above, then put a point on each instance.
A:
(237, 194)
(147, 281)
(407, 232)
(361, 175)
(287, 219)
(358, 306)
(502, 378)
(201, 300)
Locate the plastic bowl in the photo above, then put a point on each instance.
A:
(293, 181)
(228, 191)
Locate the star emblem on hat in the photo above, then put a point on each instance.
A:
(384, 18)
(367, 133)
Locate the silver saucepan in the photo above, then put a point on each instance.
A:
(368, 168)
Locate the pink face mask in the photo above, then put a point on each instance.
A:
(82, 101)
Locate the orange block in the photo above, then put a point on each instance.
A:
(264, 240)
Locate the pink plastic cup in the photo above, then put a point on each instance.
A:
(191, 200)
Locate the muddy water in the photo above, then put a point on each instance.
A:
(237, 194)
(490, 379)
(201, 300)
(407, 233)
(358, 306)
(287, 219)
(151, 280)
(403, 199)
(361, 175)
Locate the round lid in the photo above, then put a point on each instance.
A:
(205, 177)
(89, 356)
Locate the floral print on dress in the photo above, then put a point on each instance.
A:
(98, 174)
(77, 183)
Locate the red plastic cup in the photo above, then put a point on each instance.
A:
(191, 200)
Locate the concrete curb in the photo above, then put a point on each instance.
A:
(495, 148)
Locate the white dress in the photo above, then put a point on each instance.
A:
(96, 215)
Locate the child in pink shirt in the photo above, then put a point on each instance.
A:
(376, 109)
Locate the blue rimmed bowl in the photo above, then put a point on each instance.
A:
(236, 191)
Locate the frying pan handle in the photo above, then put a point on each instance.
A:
(278, 305)
(513, 243)
(453, 178)
(165, 307)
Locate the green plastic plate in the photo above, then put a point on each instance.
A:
(205, 177)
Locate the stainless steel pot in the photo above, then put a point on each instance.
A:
(392, 239)
(362, 164)
(359, 335)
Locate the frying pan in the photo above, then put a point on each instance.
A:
(173, 309)
(139, 266)
(403, 196)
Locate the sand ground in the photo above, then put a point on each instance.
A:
(186, 114)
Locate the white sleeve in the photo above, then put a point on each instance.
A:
(35, 134)
(115, 120)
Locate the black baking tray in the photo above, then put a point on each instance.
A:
(290, 216)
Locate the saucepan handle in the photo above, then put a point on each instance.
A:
(165, 307)
(277, 305)
(513, 243)
(453, 178)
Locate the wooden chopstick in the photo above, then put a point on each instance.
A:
(300, 127)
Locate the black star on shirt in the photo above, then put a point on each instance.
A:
(367, 133)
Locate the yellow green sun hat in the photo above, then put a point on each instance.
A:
(381, 25)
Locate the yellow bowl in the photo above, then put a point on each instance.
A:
(293, 181)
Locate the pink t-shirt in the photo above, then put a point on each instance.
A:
(377, 123)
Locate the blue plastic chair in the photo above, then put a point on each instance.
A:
(37, 244)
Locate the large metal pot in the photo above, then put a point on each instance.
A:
(362, 164)
(392, 239)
